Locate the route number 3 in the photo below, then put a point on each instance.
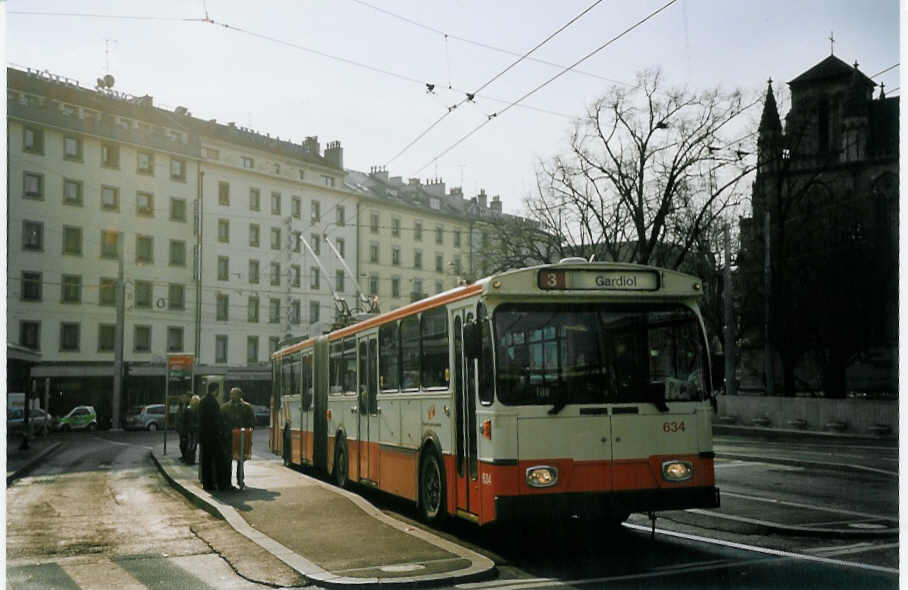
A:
(673, 427)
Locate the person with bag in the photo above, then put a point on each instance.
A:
(235, 414)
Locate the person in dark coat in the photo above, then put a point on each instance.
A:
(235, 413)
(189, 430)
(211, 429)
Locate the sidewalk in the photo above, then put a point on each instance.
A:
(21, 461)
(331, 536)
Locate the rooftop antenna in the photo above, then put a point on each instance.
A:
(831, 43)
(107, 43)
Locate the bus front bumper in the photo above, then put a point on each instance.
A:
(604, 504)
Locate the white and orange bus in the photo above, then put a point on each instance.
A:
(567, 389)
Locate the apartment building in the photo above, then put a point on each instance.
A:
(200, 220)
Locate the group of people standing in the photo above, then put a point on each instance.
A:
(214, 424)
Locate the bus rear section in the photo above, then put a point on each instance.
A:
(601, 409)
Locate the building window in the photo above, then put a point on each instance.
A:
(107, 334)
(373, 285)
(107, 291)
(33, 140)
(142, 339)
(341, 247)
(341, 218)
(328, 180)
(32, 185)
(302, 174)
(417, 290)
(144, 294)
(70, 335)
(31, 286)
(224, 231)
(254, 271)
(417, 259)
(176, 296)
(252, 310)
(395, 287)
(144, 249)
(438, 287)
(339, 281)
(145, 204)
(457, 264)
(110, 244)
(295, 315)
(32, 235)
(177, 209)
(110, 155)
(177, 169)
(223, 268)
(395, 256)
(223, 306)
(255, 199)
(177, 255)
(275, 203)
(72, 240)
(417, 231)
(254, 235)
(30, 334)
(316, 244)
(296, 236)
(457, 238)
(439, 263)
(248, 162)
(252, 349)
(223, 193)
(373, 253)
(212, 154)
(110, 198)
(220, 348)
(296, 207)
(295, 273)
(174, 339)
(145, 162)
(277, 168)
(274, 311)
(313, 278)
(316, 212)
(395, 227)
(313, 312)
(373, 223)
(72, 148)
(276, 274)
(71, 289)
(439, 234)
(275, 238)
(72, 192)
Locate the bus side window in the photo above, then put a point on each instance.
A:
(389, 357)
(434, 337)
(410, 352)
(486, 365)
(349, 363)
(336, 365)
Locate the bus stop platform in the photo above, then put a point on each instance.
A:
(331, 536)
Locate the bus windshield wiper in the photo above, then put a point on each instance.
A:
(560, 403)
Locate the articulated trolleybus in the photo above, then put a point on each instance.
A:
(568, 389)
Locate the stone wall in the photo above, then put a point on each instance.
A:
(853, 416)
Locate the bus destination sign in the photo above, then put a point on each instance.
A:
(598, 280)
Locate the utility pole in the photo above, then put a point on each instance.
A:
(731, 383)
(199, 218)
(118, 340)
(767, 309)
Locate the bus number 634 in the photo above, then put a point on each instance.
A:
(673, 427)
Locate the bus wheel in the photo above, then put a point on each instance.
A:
(431, 488)
(340, 463)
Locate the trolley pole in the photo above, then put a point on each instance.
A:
(731, 383)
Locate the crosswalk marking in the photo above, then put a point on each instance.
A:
(96, 575)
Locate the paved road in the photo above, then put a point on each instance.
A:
(97, 514)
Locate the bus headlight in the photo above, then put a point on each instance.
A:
(542, 476)
(677, 470)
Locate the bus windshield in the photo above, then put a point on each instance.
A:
(598, 353)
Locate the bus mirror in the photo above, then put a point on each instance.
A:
(471, 343)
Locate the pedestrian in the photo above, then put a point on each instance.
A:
(235, 413)
(211, 429)
(189, 430)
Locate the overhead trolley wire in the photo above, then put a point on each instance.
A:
(470, 96)
(547, 82)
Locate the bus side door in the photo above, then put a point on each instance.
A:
(368, 408)
(466, 462)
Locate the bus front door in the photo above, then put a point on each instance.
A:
(368, 408)
(466, 466)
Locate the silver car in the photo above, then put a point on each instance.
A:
(148, 417)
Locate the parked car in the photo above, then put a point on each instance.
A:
(79, 418)
(262, 415)
(37, 419)
(147, 417)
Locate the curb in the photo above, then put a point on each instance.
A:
(786, 432)
(795, 530)
(481, 569)
(10, 478)
(805, 463)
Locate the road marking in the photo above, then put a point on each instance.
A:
(776, 466)
(102, 575)
(809, 506)
(851, 549)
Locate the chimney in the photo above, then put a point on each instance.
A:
(181, 110)
(310, 144)
(496, 204)
(436, 187)
(483, 199)
(334, 153)
(379, 173)
(414, 182)
(396, 181)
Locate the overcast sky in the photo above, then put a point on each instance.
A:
(350, 71)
